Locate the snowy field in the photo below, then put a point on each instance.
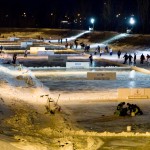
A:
(86, 117)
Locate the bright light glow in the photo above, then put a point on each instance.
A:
(116, 37)
(132, 21)
(70, 38)
(117, 15)
(132, 75)
(64, 21)
(132, 84)
(92, 20)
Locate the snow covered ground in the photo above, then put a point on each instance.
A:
(86, 118)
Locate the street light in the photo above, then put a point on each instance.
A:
(92, 21)
(132, 22)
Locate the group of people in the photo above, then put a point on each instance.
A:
(71, 45)
(14, 57)
(100, 51)
(60, 40)
(85, 47)
(128, 110)
(130, 57)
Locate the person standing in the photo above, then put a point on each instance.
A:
(76, 44)
(119, 54)
(71, 45)
(95, 52)
(98, 48)
(91, 59)
(110, 51)
(14, 58)
(82, 45)
(107, 49)
(130, 59)
(134, 58)
(25, 53)
(101, 52)
(66, 45)
(1, 48)
(125, 58)
(147, 57)
(142, 58)
(88, 48)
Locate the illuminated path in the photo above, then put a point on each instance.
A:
(103, 44)
(69, 38)
(106, 42)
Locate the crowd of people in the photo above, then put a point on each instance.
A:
(128, 109)
(132, 59)
(128, 58)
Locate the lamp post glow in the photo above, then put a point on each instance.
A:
(92, 21)
(132, 21)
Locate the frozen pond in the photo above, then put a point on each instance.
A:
(61, 80)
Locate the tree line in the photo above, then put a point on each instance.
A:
(110, 15)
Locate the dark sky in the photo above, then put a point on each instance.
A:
(38, 11)
(63, 5)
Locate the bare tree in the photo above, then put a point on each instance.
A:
(143, 10)
(107, 14)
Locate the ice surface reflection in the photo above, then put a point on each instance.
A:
(71, 81)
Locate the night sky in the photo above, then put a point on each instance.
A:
(48, 13)
(63, 5)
